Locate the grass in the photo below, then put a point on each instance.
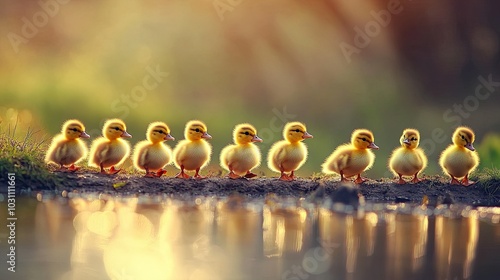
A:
(489, 179)
(24, 157)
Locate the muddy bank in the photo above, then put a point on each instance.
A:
(435, 188)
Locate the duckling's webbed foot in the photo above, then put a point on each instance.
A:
(250, 175)
(197, 175)
(182, 174)
(401, 181)
(113, 171)
(160, 172)
(416, 180)
(454, 181)
(73, 168)
(285, 177)
(359, 179)
(232, 175)
(465, 181)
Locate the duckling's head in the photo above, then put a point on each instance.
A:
(114, 129)
(363, 139)
(158, 132)
(73, 129)
(464, 137)
(245, 133)
(196, 130)
(410, 138)
(295, 132)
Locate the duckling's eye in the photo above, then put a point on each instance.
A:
(413, 139)
(463, 137)
(197, 130)
(364, 139)
(116, 128)
(297, 130)
(247, 133)
(74, 129)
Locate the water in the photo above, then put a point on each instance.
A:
(71, 236)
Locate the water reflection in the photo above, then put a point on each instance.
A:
(102, 237)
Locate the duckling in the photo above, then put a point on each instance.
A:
(67, 148)
(193, 153)
(243, 156)
(110, 150)
(460, 158)
(408, 159)
(290, 154)
(152, 154)
(354, 158)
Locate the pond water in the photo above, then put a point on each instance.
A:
(91, 236)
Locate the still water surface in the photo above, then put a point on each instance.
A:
(74, 236)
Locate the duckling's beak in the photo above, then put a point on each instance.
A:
(206, 136)
(126, 135)
(406, 141)
(256, 139)
(470, 147)
(373, 146)
(84, 135)
(169, 137)
(306, 135)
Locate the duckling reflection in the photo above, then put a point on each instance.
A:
(354, 236)
(238, 226)
(456, 242)
(406, 243)
(284, 229)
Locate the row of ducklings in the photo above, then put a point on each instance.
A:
(285, 156)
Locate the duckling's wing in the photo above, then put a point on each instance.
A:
(342, 157)
(141, 154)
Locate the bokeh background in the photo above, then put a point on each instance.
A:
(328, 63)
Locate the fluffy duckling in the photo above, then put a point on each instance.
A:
(67, 148)
(110, 150)
(290, 154)
(460, 158)
(193, 153)
(152, 154)
(354, 158)
(409, 159)
(244, 155)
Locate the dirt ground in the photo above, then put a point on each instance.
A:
(435, 188)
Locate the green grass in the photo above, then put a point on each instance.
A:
(23, 155)
(489, 179)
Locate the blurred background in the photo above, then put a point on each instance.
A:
(335, 65)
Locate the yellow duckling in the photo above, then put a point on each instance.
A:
(460, 158)
(408, 160)
(244, 155)
(67, 148)
(354, 158)
(152, 154)
(290, 154)
(193, 153)
(110, 150)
